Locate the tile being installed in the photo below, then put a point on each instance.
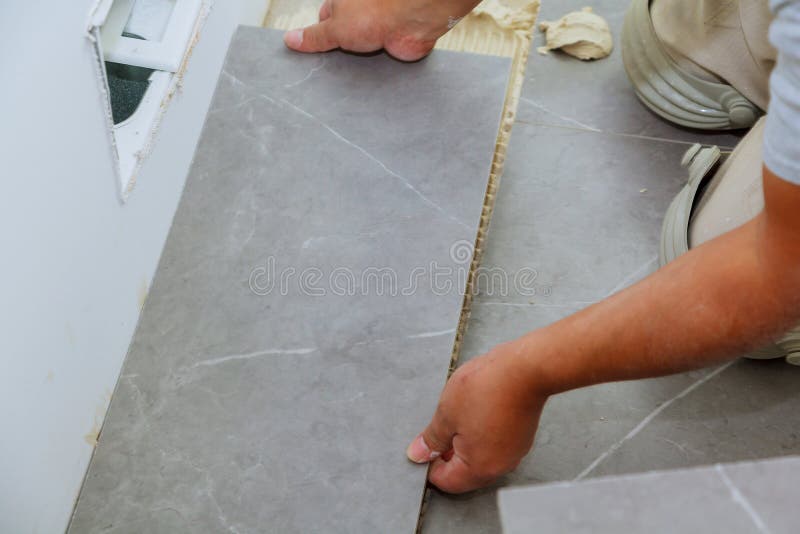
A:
(732, 498)
(583, 211)
(293, 342)
(563, 91)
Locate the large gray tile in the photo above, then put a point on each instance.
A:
(580, 221)
(247, 410)
(562, 90)
(747, 497)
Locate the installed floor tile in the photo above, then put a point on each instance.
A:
(583, 210)
(292, 343)
(746, 497)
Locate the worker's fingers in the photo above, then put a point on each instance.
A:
(420, 452)
(434, 441)
(326, 10)
(316, 38)
(454, 475)
(408, 48)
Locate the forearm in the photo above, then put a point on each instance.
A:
(710, 305)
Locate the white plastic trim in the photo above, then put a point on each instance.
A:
(166, 54)
(133, 135)
(99, 13)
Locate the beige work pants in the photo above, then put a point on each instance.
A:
(720, 40)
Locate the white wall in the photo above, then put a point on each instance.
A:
(75, 263)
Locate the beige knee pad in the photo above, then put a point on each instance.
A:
(702, 64)
(732, 196)
(720, 40)
(735, 193)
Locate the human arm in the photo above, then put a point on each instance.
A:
(714, 303)
(708, 306)
(406, 29)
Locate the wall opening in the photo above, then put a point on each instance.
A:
(141, 46)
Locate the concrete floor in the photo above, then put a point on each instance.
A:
(588, 177)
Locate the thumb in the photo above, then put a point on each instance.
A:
(316, 38)
(434, 441)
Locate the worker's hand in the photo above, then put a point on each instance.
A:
(484, 425)
(407, 29)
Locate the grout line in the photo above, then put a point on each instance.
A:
(620, 134)
(541, 107)
(666, 140)
(644, 422)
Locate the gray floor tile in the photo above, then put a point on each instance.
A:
(769, 487)
(749, 411)
(748, 497)
(580, 220)
(561, 90)
(583, 210)
(249, 408)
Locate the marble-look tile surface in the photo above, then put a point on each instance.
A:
(584, 211)
(563, 91)
(732, 498)
(283, 359)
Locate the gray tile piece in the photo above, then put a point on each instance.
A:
(570, 207)
(564, 91)
(249, 408)
(747, 497)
